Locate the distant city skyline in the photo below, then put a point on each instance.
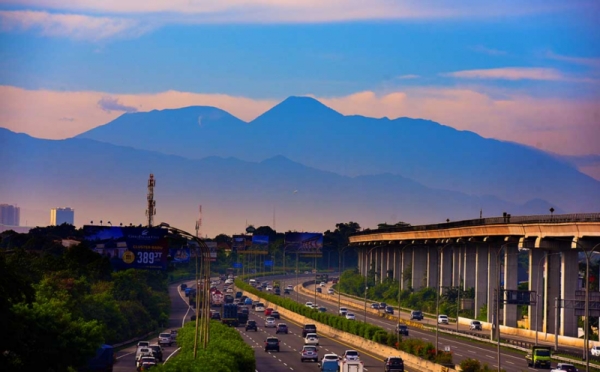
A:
(10, 215)
(58, 216)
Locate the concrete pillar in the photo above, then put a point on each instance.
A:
(389, 263)
(569, 282)
(481, 274)
(536, 279)
(511, 281)
(457, 263)
(406, 262)
(470, 267)
(446, 267)
(492, 281)
(551, 291)
(433, 267)
(419, 267)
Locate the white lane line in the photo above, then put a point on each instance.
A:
(119, 357)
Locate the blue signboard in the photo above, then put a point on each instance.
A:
(130, 247)
(268, 263)
(237, 265)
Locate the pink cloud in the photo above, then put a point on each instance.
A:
(69, 25)
(511, 73)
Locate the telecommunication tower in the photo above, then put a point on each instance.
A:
(151, 211)
(199, 220)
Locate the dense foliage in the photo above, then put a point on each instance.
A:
(226, 352)
(60, 304)
(351, 282)
(420, 348)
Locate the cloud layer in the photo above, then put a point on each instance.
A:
(558, 125)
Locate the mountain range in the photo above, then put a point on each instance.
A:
(299, 166)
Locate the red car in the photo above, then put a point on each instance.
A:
(268, 310)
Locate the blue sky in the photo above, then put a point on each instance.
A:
(522, 71)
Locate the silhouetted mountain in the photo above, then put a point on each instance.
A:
(306, 131)
(107, 182)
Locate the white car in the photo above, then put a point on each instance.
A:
(595, 350)
(330, 291)
(343, 310)
(270, 322)
(269, 288)
(350, 316)
(259, 307)
(229, 281)
(322, 284)
(290, 287)
(309, 304)
(165, 339)
(330, 357)
(442, 319)
(229, 290)
(315, 307)
(311, 339)
(564, 367)
(351, 355)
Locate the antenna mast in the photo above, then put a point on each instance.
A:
(199, 220)
(151, 211)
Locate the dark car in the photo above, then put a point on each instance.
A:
(402, 329)
(238, 295)
(157, 352)
(286, 291)
(394, 364)
(272, 343)
(278, 291)
(416, 315)
(215, 316)
(251, 325)
(389, 310)
(308, 328)
(275, 314)
(183, 286)
(319, 290)
(382, 306)
(375, 306)
(281, 328)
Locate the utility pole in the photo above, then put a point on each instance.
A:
(151, 211)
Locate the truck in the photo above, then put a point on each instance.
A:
(102, 362)
(242, 317)
(351, 366)
(539, 356)
(230, 315)
(216, 298)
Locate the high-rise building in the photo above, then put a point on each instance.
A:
(9, 215)
(58, 216)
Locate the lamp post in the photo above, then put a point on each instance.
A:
(202, 250)
(586, 338)
(537, 294)
(437, 299)
(366, 277)
(340, 255)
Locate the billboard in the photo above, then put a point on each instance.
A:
(130, 247)
(306, 244)
(260, 244)
(240, 243)
(212, 250)
(180, 255)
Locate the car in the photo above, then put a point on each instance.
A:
(268, 310)
(174, 335)
(143, 344)
(561, 367)
(145, 359)
(157, 352)
(229, 290)
(286, 291)
(475, 325)
(309, 353)
(269, 288)
(308, 328)
(389, 310)
(323, 284)
(290, 287)
(319, 290)
(382, 305)
(239, 295)
(259, 307)
(330, 356)
(402, 329)
(215, 316)
(142, 351)
(343, 311)
(311, 339)
(270, 322)
(165, 339)
(277, 291)
(595, 350)
(330, 291)
(350, 316)
(281, 328)
(146, 366)
(375, 306)
(442, 319)
(275, 314)
(251, 325)
(351, 355)
(248, 301)
(416, 315)
(394, 364)
(315, 307)
(309, 304)
(334, 281)
(183, 286)
(322, 309)
(272, 343)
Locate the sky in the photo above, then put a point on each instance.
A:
(527, 72)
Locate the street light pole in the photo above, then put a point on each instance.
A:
(340, 277)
